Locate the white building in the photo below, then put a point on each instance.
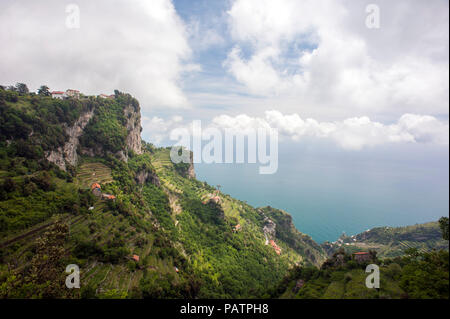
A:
(73, 93)
(58, 95)
(69, 93)
(104, 96)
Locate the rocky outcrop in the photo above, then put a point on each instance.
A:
(144, 176)
(133, 141)
(68, 153)
(278, 224)
(269, 228)
(191, 171)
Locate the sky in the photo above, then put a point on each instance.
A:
(358, 91)
(310, 68)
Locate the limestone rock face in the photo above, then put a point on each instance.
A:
(144, 176)
(269, 228)
(191, 171)
(133, 117)
(68, 153)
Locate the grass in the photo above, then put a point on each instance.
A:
(90, 173)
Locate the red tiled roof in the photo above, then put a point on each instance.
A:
(95, 185)
(57, 92)
(360, 253)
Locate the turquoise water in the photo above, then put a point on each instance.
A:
(329, 191)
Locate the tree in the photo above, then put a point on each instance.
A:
(44, 277)
(373, 255)
(412, 252)
(22, 88)
(443, 223)
(44, 90)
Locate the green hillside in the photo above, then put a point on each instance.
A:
(392, 241)
(151, 230)
(187, 244)
(412, 276)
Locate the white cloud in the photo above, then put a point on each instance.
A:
(354, 133)
(351, 134)
(136, 46)
(158, 129)
(202, 36)
(320, 54)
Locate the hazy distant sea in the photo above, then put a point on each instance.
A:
(329, 191)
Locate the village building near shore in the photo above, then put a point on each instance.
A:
(216, 199)
(275, 246)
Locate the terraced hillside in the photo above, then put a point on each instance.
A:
(235, 212)
(392, 241)
(162, 233)
(93, 172)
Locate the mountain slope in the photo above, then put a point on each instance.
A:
(149, 230)
(415, 275)
(392, 241)
(206, 222)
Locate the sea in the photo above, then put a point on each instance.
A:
(329, 190)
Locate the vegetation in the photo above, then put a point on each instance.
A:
(443, 224)
(162, 235)
(423, 276)
(394, 241)
(414, 275)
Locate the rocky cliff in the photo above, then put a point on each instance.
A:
(88, 136)
(278, 225)
(134, 129)
(155, 220)
(67, 154)
(191, 170)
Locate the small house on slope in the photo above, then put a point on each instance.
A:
(216, 199)
(275, 246)
(108, 196)
(96, 189)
